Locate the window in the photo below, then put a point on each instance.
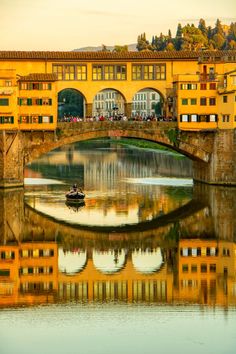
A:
(184, 101)
(203, 86)
(137, 72)
(185, 252)
(203, 101)
(81, 72)
(193, 268)
(184, 117)
(184, 86)
(212, 101)
(8, 83)
(109, 72)
(213, 118)
(4, 272)
(69, 72)
(4, 102)
(212, 86)
(160, 72)
(58, 69)
(149, 72)
(225, 99)
(188, 86)
(6, 120)
(225, 118)
(203, 268)
(23, 86)
(194, 118)
(185, 268)
(212, 268)
(193, 101)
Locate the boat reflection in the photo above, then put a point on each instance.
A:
(75, 207)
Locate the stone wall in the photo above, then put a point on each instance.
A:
(11, 159)
(221, 168)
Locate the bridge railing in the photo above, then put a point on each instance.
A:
(110, 125)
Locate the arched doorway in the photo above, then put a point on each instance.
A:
(108, 103)
(147, 104)
(70, 104)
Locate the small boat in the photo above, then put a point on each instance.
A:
(75, 194)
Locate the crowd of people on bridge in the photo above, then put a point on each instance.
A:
(120, 117)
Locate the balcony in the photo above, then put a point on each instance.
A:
(207, 77)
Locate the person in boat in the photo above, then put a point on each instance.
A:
(74, 191)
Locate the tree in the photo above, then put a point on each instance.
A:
(232, 32)
(193, 39)
(104, 48)
(202, 27)
(120, 48)
(143, 43)
(178, 38)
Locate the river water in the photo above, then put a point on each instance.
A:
(146, 264)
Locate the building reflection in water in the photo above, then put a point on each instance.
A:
(199, 271)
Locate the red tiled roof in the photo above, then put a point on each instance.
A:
(38, 77)
(88, 56)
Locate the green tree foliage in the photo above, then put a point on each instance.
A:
(143, 43)
(120, 48)
(70, 103)
(192, 38)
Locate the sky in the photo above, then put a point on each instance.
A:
(70, 24)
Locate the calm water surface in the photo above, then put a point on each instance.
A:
(146, 264)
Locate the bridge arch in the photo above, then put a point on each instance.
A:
(109, 102)
(147, 102)
(71, 103)
(193, 145)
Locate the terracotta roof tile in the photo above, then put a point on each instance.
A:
(148, 55)
(38, 77)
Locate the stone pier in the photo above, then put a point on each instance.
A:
(221, 169)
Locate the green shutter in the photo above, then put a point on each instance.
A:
(50, 101)
(12, 120)
(49, 86)
(40, 101)
(40, 119)
(29, 101)
(51, 119)
(30, 86)
(40, 86)
(1, 120)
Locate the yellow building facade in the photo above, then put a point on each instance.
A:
(189, 84)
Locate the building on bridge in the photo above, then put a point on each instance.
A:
(196, 88)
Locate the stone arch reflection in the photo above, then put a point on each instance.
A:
(71, 262)
(109, 261)
(147, 261)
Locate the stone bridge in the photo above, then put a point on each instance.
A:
(213, 152)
